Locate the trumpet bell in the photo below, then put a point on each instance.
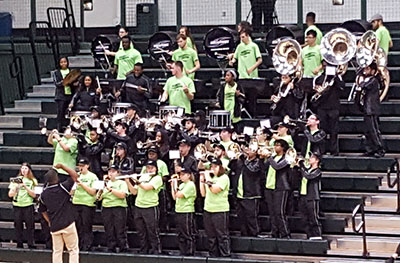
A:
(338, 46)
(291, 155)
(200, 151)
(286, 56)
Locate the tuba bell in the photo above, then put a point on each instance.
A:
(286, 56)
(368, 51)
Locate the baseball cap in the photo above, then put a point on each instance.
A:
(376, 17)
(83, 161)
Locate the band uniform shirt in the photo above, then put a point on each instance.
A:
(251, 175)
(316, 29)
(247, 55)
(86, 98)
(81, 197)
(278, 174)
(109, 199)
(229, 101)
(188, 57)
(126, 60)
(56, 201)
(312, 58)
(132, 95)
(384, 37)
(214, 203)
(64, 73)
(66, 158)
(146, 199)
(176, 95)
(186, 203)
(22, 197)
(162, 169)
(310, 182)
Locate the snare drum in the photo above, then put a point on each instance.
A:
(220, 119)
(81, 114)
(120, 107)
(173, 110)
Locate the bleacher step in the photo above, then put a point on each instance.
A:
(44, 88)
(374, 244)
(81, 61)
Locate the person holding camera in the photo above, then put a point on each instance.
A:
(22, 193)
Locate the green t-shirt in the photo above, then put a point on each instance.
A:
(64, 73)
(384, 38)
(271, 175)
(316, 29)
(162, 169)
(226, 144)
(146, 199)
(312, 58)
(66, 158)
(22, 198)
(188, 57)
(247, 56)
(186, 204)
(176, 95)
(214, 203)
(287, 138)
(126, 60)
(109, 199)
(189, 43)
(229, 101)
(81, 197)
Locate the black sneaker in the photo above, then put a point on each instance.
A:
(379, 154)
(390, 260)
(20, 245)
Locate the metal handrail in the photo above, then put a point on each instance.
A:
(395, 167)
(361, 226)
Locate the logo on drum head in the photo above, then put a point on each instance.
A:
(221, 41)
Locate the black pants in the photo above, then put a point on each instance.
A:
(163, 198)
(84, 223)
(114, 219)
(276, 201)
(216, 226)
(260, 7)
(309, 210)
(21, 215)
(62, 106)
(373, 138)
(185, 229)
(330, 124)
(147, 225)
(248, 210)
(306, 85)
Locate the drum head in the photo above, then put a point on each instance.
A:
(160, 44)
(219, 42)
(277, 33)
(109, 42)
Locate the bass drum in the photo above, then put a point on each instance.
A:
(219, 42)
(160, 44)
(110, 42)
(357, 27)
(277, 33)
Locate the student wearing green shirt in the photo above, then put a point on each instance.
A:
(65, 150)
(179, 89)
(147, 213)
(114, 212)
(277, 189)
(385, 40)
(184, 195)
(231, 98)
(122, 31)
(23, 196)
(84, 198)
(126, 58)
(184, 30)
(188, 56)
(248, 56)
(310, 21)
(214, 186)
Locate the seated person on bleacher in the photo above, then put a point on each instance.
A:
(87, 96)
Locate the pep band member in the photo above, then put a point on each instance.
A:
(215, 189)
(188, 56)
(184, 30)
(277, 188)
(114, 210)
(185, 195)
(147, 213)
(84, 198)
(23, 196)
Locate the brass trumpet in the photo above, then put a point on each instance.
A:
(288, 120)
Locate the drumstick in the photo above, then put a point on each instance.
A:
(104, 48)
